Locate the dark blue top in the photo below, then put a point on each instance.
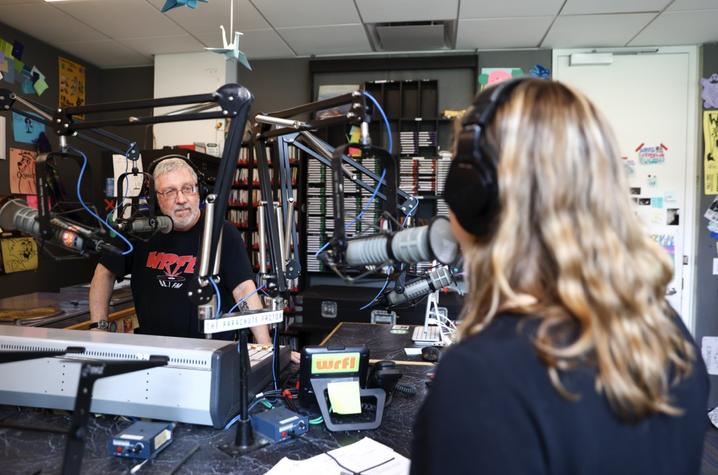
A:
(492, 410)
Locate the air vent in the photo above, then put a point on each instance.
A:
(412, 36)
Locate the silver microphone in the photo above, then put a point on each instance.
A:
(145, 225)
(16, 215)
(436, 279)
(412, 245)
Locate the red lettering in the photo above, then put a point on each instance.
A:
(153, 260)
(324, 364)
(167, 260)
(183, 261)
(190, 266)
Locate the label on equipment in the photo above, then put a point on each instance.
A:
(161, 438)
(335, 363)
(131, 437)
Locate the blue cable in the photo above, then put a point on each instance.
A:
(238, 416)
(219, 298)
(386, 121)
(234, 307)
(361, 213)
(386, 282)
(92, 213)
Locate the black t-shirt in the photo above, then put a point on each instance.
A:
(492, 410)
(162, 269)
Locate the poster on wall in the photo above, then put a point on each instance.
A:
(710, 152)
(25, 129)
(72, 84)
(491, 76)
(19, 254)
(22, 171)
(3, 150)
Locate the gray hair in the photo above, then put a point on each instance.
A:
(170, 165)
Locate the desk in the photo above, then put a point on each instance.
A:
(73, 310)
(382, 343)
(25, 451)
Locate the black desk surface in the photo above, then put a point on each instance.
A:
(382, 341)
(28, 451)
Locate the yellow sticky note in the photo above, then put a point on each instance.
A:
(344, 397)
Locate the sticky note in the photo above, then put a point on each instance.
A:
(10, 74)
(40, 86)
(19, 65)
(17, 49)
(344, 397)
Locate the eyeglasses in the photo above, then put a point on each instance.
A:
(171, 194)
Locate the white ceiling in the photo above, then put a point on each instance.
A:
(119, 33)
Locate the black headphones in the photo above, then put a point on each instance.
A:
(472, 190)
(202, 185)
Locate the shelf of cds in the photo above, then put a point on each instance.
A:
(245, 196)
(421, 141)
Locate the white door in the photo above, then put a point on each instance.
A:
(650, 99)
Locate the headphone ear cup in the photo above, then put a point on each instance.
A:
(471, 192)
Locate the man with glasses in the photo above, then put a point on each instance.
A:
(162, 267)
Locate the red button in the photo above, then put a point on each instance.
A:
(284, 435)
(118, 449)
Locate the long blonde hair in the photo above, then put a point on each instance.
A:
(568, 249)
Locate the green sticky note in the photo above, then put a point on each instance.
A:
(40, 86)
(18, 65)
(344, 397)
(7, 49)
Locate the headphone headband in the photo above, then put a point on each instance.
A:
(472, 190)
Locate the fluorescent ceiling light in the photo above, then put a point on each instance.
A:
(586, 59)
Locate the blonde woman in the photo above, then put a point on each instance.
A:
(570, 361)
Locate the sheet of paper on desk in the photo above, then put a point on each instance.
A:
(358, 457)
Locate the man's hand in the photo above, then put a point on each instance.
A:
(247, 292)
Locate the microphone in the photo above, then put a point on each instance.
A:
(412, 245)
(15, 215)
(145, 225)
(436, 279)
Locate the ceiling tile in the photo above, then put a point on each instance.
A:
(19, 2)
(47, 23)
(680, 28)
(334, 39)
(208, 16)
(587, 7)
(308, 12)
(163, 44)
(502, 33)
(508, 8)
(255, 44)
(121, 19)
(595, 30)
(106, 54)
(693, 5)
(383, 11)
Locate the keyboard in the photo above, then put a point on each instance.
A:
(430, 336)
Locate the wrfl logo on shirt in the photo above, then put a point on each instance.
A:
(172, 267)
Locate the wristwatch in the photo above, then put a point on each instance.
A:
(101, 324)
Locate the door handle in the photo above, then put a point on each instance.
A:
(671, 291)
